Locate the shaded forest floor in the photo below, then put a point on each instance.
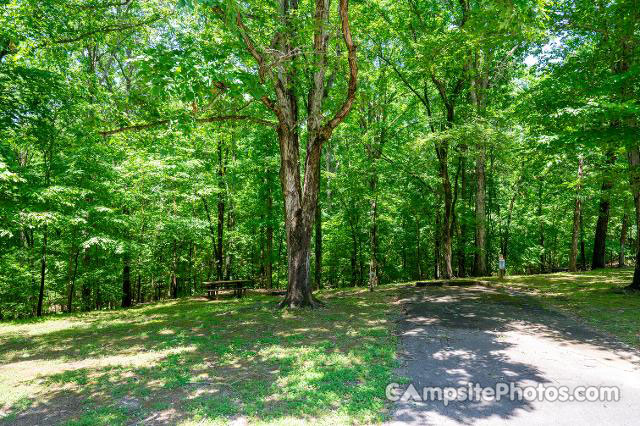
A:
(195, 361)
(205, 362)
(596, 297)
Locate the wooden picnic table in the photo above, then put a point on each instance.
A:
(238, 287)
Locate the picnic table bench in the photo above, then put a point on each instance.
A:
(238, 287)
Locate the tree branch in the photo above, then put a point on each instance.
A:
(353, 72)
(211, 119)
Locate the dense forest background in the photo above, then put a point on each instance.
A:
(137, 161)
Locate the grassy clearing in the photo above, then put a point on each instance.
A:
(204, 362)
(596, 297)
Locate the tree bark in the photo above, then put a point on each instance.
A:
(318, 241)
(127, 296)
(623, 239)
(633, 155)
(221, 207)
(373, 233)
(278, 64)
(437, 244)
(577, 211)
(541, 227)
(462, 226)
(481, 217)
(269, 234)
(598, 259)
(72, 282)
(43, 268)
(600, 238)
(442, 153)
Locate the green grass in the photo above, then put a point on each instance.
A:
(204, 362)
(595, 297)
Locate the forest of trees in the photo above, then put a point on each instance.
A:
(147, 146)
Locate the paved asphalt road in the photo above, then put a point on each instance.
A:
(452, 335)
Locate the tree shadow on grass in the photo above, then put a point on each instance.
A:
(209, 361)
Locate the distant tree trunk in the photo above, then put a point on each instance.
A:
(354, 256)
(318, 240)
(577, 211)
(480, 62)
(139, 289)
(127, 295)
(86, 285)
(462, 227)
(541, 225)
(633, 155)
(373, 236)
(583, 253)
(221, 205)
(174, 272)
(623, 238)
(442, 153)
(600, 239)
(72, 281)
(269, 235)
(43, 268)
(481, 215)
(437, 246)
(418, 250)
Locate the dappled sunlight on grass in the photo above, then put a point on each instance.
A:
(595, 297)
(205, 362)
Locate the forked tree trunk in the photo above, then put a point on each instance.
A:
(299, 211)
(573, 254)
(278, 64)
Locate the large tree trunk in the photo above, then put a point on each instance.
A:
(481, 217)
(277, 65)
(573, 254)
(299, 209)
